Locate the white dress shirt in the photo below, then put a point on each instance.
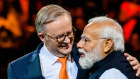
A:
(113, 73)
(50, 66)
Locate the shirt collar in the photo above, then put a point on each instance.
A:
(52, 59)
(49, 56)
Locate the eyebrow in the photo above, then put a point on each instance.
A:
(64, 33)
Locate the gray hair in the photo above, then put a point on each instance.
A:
(48, 14)
(115, 33)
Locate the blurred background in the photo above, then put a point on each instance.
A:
(18, 35)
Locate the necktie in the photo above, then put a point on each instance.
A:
(63, 72)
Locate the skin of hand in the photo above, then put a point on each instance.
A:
(134, 63)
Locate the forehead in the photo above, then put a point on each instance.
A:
(91, 31)
(95, 28)
(60, 25)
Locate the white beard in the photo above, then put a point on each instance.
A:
(90, 57)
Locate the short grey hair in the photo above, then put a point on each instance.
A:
(48, 14)
(115, 33)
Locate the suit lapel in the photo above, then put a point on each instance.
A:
(34, 67)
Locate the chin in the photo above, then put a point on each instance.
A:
(85, 62)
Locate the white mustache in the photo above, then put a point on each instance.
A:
(81, 50)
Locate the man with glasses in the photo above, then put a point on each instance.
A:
(60, 38)
(56, 57)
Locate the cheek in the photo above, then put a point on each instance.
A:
(52, 43)
(90, 46)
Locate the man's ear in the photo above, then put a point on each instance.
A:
(41, 36)
(108, 45)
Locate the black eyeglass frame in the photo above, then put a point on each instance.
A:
(64, 35)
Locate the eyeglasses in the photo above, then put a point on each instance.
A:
(62, 37)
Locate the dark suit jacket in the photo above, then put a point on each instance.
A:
(28, 66)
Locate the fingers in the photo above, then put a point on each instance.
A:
(134, 63)
(138, 73)
(130, 58)
(136, 66)
(126, 55)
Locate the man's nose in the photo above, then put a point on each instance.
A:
(67, 39)
(80, 44)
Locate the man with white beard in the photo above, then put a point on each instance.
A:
(101, 48)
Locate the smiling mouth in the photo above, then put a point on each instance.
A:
(66, 46)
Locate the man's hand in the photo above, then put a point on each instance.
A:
(134, 63)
